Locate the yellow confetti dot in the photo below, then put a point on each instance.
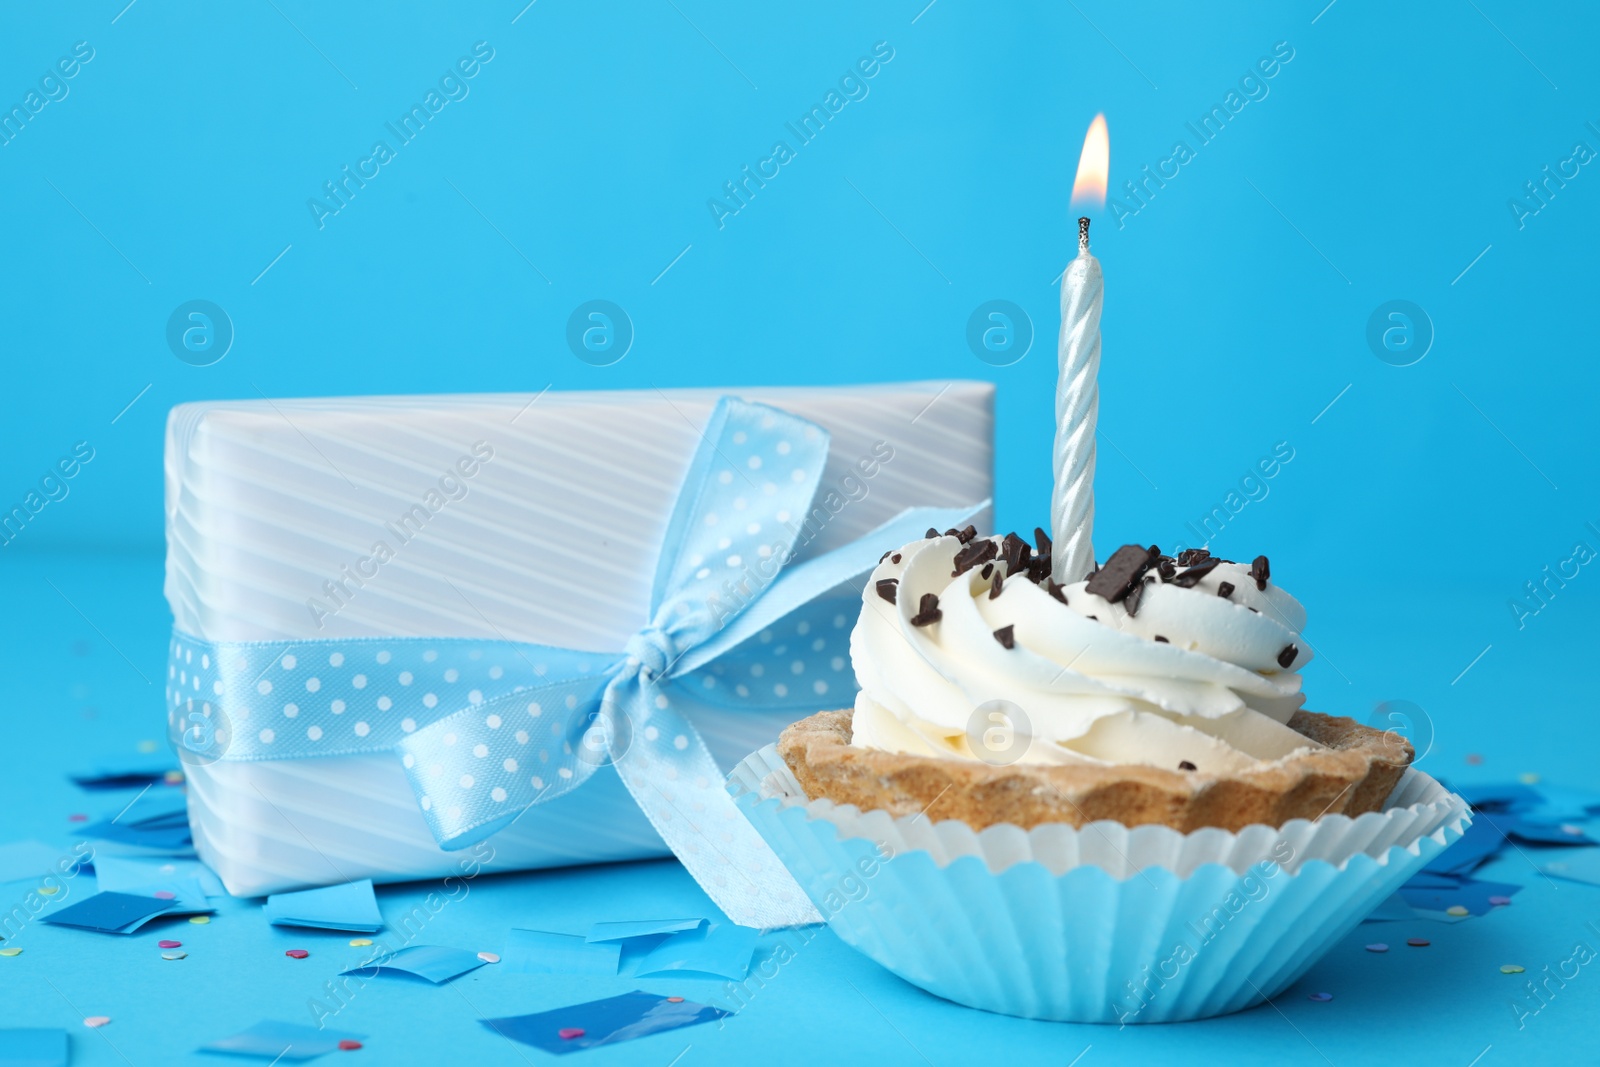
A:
(1512, 968)
(1456, 909)
(173, 777)
(147, 746)
(361, 942)
(1529, 779)
(49, 890)
(199, 920)
(10, 952)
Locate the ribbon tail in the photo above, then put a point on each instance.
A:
(666, 766)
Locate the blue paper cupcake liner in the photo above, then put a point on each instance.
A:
(1104, 924)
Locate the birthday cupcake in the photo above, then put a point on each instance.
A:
(1098, 802)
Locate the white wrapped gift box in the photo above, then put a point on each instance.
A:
(551, 539)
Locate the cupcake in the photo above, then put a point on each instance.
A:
(1098, 802)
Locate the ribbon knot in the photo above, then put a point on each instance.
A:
(652, 650)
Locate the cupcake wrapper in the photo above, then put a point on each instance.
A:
(1105, 923)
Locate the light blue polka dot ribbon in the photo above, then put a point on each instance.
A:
(488, 729)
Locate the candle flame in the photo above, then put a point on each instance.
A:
(1094, 165)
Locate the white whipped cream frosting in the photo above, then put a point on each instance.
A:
(1096, 690)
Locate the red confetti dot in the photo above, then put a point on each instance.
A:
(1474, 759)
(1499, 901)
(349, 1045)
(674, 1000)
(164, 894)
(169, 944)
(567, 1033)
(1418, 942)
(297, 953)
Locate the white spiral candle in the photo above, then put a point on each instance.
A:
(1077, 410)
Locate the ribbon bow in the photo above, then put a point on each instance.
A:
(508, 725)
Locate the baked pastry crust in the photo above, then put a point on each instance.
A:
(1352, 774)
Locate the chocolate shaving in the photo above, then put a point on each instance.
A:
(927, 610)
(887, 588)
(1165, 567)
(1122, 572)
(1185, 765)
(1055, 590)
(1225, 590)
(1192, 575)
(1287, 656)
(966, 536)
(1190, 556)
(1038, 569)
(893, 559)
(1253, 609)
(886, 556)
(1260, 571)
(988, 570)
(952, 532)
(1041, 541)
(1131, 601)
(1163, 640)
(1006, 635)
(999, 583)
(1096, 618)
(931, 532)
(1014, 550)
(972, 555)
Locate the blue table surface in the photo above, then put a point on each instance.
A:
(83, 662)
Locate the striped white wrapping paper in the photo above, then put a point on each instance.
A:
(554, 543)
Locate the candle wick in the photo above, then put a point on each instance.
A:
(1083, 235)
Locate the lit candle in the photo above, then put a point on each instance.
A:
(1078, 387)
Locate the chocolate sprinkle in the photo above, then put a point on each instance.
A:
(931, 532)
(927, 610)
(1185, 765)
(887, 588)
(1190, 577)
(968, 534)
(1041, 541)
(1096, 618)
(999, 583)
(894, 558)
(1055, 590)
(1006, 635)
(1260, 571)
(1287, 656)
(1122, 571)
(1163, 640)
(987, 572)
(972, 555)
(1225, 590)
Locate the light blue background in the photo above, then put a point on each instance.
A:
(1378, 167)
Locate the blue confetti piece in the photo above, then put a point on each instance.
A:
(623, 931)
(543, 952)
(435, 963)
(337, 907)
(604, 1022)
(110, 913)
(723, 950)
(281, 1041)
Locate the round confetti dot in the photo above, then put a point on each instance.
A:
(147, 746)
(1456, 909)
(1473, 759)
(77, 816)
(1321, 998)
(674, 1000)
(360, 942)
(1499, 901)
(1377, 946)
(297, 953)
(173, 777)
(10, 952)
(349, 1044)
(174, 955)
(567, 1033)
(169, 944)
(1418, 942)
(94, 1022)
(1528, 779)
(164, 894)
(1512, 968)
(49, 890)
(488, 957)
(199, 920)
(1568, 828)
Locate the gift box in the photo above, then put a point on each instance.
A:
(424, 636)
